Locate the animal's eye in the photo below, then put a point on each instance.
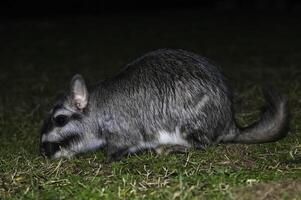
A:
(60, 120)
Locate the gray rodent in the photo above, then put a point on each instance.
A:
(166, 97)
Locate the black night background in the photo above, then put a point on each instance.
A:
(44, 43)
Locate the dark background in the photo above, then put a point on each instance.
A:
(14, 8)
(102, 36)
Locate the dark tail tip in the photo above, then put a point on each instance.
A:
(274, 98)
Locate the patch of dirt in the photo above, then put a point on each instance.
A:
(288, 189)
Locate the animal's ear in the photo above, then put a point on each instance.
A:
(79, 92)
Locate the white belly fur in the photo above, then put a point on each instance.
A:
(174, 138)
(164, 138)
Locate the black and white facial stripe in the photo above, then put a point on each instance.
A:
(65, 132)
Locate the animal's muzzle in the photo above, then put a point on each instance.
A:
(49, 148)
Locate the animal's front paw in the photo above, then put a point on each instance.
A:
(115, 154)
(63, 153)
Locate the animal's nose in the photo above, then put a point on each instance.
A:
(49, 148)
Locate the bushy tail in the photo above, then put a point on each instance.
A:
(273, 124)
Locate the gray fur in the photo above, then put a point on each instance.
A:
(166, 97)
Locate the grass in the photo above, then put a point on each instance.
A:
(39, 56)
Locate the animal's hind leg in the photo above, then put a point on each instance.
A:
(198, 139)
(168, 149)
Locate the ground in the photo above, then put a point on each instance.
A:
(39, 56)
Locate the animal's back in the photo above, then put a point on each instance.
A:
(168, 89)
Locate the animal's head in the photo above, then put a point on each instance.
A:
(68, 128)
